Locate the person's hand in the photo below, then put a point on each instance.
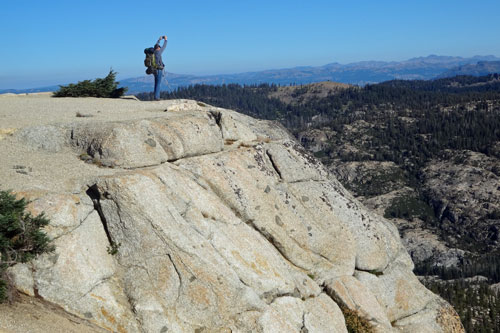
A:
(165, 37)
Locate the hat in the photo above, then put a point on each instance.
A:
(157, 46)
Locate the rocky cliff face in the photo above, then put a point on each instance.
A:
(447, 212)
(204, 220)
(464, 188)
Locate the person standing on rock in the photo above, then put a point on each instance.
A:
(158, 71)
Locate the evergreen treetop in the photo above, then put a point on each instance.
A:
(101, 87)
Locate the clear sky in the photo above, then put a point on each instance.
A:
(46, 42)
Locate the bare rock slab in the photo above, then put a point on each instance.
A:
(200, 219)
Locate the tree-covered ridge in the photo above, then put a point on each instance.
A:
(252, 100)
(416, 117)
(477, 304)
(458, 84)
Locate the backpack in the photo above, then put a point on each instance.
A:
(150, 61)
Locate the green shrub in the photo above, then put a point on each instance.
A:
(3, 289)
(320, 154)
(377, 182)
(106, 87)
(354, 322)
(408, 207)
(20, 236)
(494, 215)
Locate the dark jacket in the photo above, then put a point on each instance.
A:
(158, 60)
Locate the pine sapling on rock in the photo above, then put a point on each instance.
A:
(21, 237)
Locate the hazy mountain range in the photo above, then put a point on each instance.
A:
(359, 73)
(479, 69)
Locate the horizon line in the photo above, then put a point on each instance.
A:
(282, 68)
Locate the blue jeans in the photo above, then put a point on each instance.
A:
(158, 76)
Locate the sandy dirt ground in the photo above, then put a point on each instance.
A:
(29, 314)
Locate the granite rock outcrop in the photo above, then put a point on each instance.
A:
(200, 219)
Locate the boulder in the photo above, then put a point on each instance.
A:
(289, 314)
(397, 289)
(351, 293)
(148, 142)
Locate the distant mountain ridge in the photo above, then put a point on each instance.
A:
(28, 91)
(479, 69)
(360, 73)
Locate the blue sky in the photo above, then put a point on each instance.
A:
(51, 42)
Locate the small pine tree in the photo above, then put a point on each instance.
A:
(101, 87)
(20, 236)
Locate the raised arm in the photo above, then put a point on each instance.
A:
(164, 43)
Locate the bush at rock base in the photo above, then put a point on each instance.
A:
(20, 236)
(354, 322)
